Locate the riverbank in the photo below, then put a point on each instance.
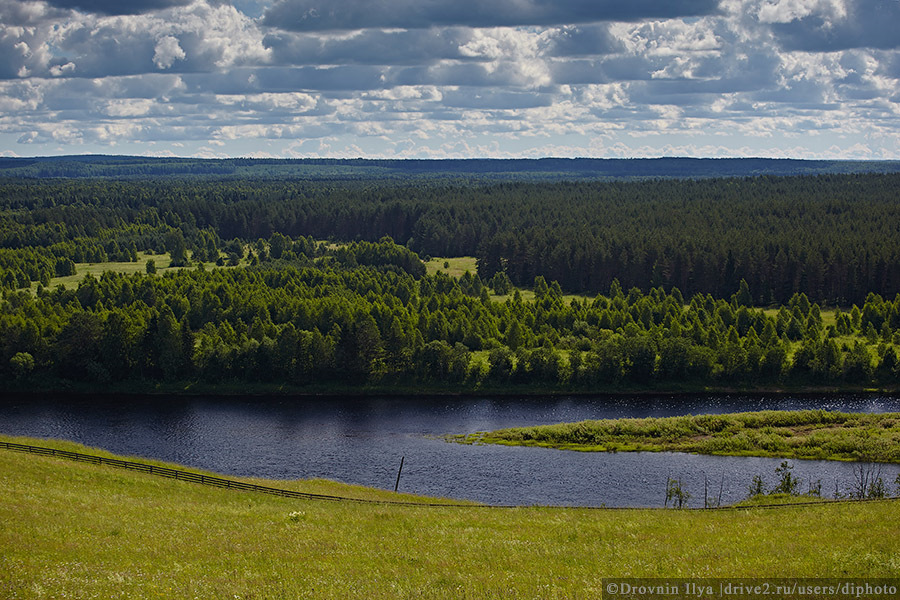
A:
(417, 389)
(102, 532)
(807, 434)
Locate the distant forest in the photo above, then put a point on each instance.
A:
(834, 238)
(322, 281)
(329, 169)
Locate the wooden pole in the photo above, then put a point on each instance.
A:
(400, 470)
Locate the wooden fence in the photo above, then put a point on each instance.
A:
(183, 475)
(233, 484)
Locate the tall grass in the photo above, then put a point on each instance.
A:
(84, 531)
(811, 434)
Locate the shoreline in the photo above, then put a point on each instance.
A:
(790, 435)
(193, 388)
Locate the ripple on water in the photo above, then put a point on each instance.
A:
(361, 440)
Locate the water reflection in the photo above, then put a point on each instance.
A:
(361, 440)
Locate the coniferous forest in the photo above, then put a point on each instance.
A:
(758, 281)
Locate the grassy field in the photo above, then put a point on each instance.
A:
(84, 531)
(455, 267)
(162, 261)
(808, 434)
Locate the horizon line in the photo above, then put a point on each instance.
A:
(471, 158)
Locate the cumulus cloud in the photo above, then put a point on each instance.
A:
(167, 51)
(435, 78)
(584, 40)
(321, 15)
(831, 25)
(495, 99)
(197, 38)
(370, 46)
(786, 11)
(117, 7)
(16, 13)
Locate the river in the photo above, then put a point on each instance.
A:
(361, 440)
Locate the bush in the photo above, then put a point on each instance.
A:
(22, 364)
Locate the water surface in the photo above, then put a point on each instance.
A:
(361, 440)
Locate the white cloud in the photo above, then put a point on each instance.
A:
(16, 13)
(323, 15)
(785, 11)
(132, 107)
(60, 70)
(199, 37)
(744, 76)
(167, 51)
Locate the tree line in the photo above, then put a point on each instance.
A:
(830, 237)
(366, 313)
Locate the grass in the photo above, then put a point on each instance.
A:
(456, 266)
(77, 530)
(308, 486)
(809, 434)
(528, 296)
(162, 261)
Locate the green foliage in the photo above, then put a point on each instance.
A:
(868, 482)
(501, 284)
(787, 483)
(366, 312)
(743, 297)
(21, 364)
(581, 234)
(177, 248)
(109, 533)
(676, 494)
(815, 434)
(757, 487)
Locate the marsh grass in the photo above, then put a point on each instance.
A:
(71, 529)
(808, 434)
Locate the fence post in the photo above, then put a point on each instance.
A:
(400, 470)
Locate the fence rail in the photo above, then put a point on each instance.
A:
(188, 476)
(234, 484)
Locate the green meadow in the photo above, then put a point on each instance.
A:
(161, 261)
(807, 434)
(76, 530)
(453, 266)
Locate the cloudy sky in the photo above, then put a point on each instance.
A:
(451, 78)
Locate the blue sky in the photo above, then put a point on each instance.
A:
(459, 78)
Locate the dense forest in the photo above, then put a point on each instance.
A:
(703, 281)
(365, 313)
(331, 169)
(835, 238)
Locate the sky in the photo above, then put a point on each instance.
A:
(451, 78)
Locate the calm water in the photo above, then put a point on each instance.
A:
(361, 440)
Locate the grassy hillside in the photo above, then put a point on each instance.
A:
(78, 530)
